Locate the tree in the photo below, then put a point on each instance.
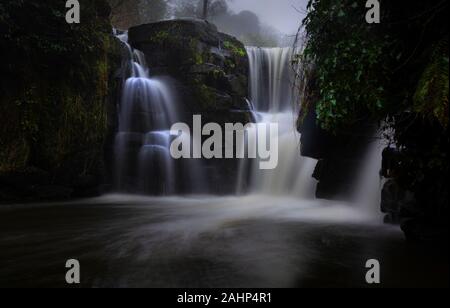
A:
(205, 9)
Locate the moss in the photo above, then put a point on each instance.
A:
(205, 96)
(236, 49)
(53, 112)
(198, 58)
(196, 53)
(160, 36)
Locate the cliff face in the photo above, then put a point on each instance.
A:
(56, 99)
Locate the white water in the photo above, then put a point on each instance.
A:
(368, 189)
(273, 98)
(272, 95)
(271, 78)
(146, 112)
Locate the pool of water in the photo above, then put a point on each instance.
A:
(252, 241)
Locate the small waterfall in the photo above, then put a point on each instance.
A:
(370, 183)
(146, 112)
(271, 79)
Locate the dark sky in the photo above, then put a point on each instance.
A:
(279, 14)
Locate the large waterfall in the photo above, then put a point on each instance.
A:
(149, 107)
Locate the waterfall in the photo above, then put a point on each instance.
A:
(368, 190)
(149, 107)
(272, 97)
(271, 78)
(146, 112)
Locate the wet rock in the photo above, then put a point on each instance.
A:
(340, 156)
(397, 202)
(209, 67)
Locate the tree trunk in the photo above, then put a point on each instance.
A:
(205, 9)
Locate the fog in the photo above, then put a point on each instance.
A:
(263, 23)
(282, 15)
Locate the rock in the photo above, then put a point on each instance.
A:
(58, 109)
(340, 156)
(336, 178)
(391, 161)
(396, 202)
(210, 67)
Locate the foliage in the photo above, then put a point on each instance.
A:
(376, 70)
(431, 96)
(236, 49)
(53, 106)
(348, 59)
(396, 73)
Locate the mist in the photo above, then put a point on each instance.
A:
(282, 15)
(262, 23)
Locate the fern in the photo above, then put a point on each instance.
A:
(431, 96)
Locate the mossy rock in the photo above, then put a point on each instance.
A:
(57, 108)
(211, 67)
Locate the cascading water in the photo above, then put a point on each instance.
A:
(149, 108)
(146, 112)
(271, 79)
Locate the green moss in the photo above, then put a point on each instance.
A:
(160, 37)
(236, 49)
(205, 96)
(197, 56)
(53, 112)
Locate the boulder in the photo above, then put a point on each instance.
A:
(210, 68)
(397, 202)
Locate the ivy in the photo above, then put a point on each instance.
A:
(348, 60)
